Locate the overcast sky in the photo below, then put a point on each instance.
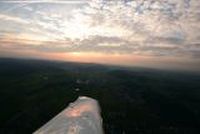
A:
(149, 33)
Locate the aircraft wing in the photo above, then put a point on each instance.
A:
(80, 117)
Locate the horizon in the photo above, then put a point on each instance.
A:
(129, 67)
(150, 34)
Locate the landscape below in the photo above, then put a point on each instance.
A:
(132, 100)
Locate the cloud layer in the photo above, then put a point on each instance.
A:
(143, 27)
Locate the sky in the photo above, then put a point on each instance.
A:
(147, 33)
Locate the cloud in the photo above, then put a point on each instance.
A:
(14, 19)
(145, 27)
(44, 1)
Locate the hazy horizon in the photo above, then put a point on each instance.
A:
(149, 33)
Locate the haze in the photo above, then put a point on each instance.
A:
(148, 33)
